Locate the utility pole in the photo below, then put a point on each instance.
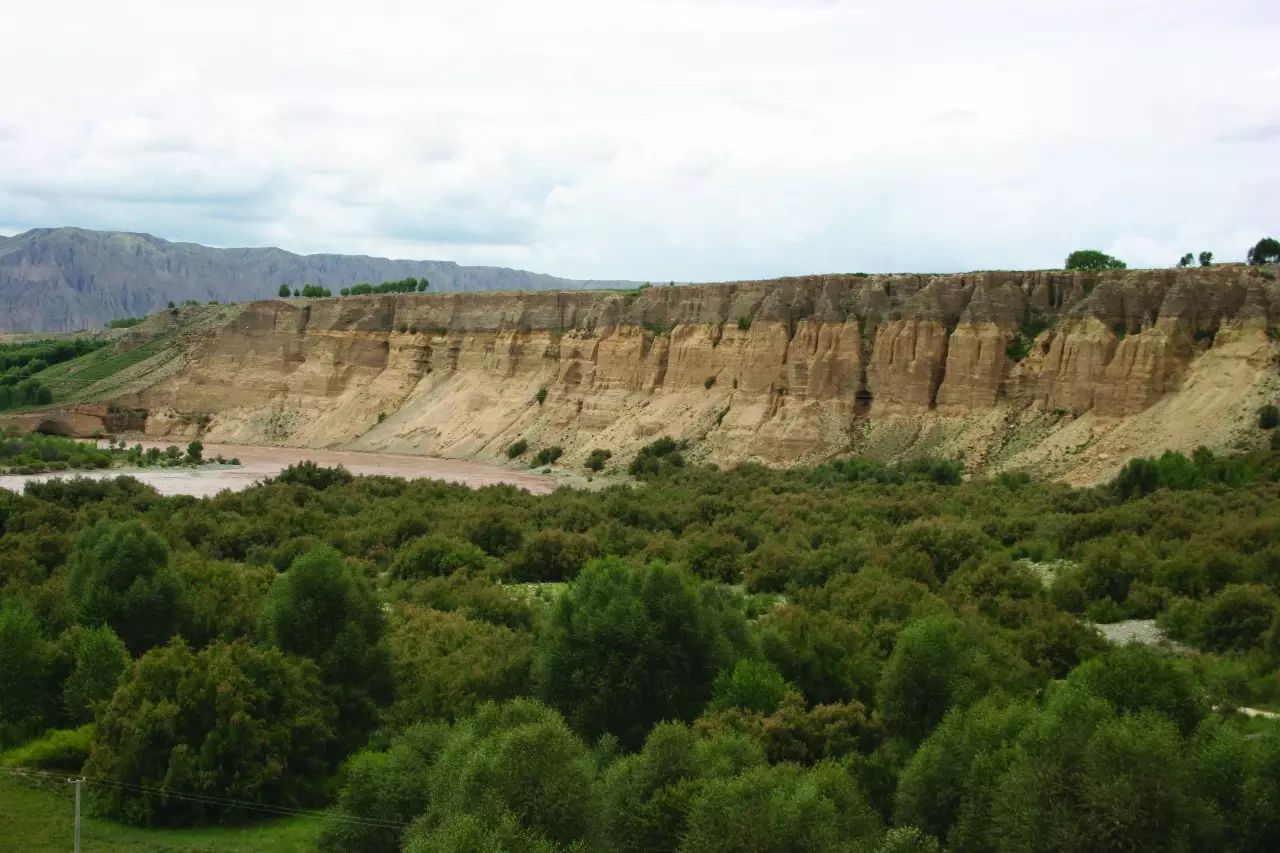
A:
(77, 847)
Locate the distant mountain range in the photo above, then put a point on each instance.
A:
(62, 279)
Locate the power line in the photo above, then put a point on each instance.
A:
(209, 799)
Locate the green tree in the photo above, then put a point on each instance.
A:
(195, 451)
(908, 839)
(948, 787)
(1135, 787)
(1036, 802)
(1237, 618)
(1135, 678)
(782, 808)
(938, 663)
(1092, 259)
(25, 664)
(793, 732)
(515, 761)
(1237, 776)
(948, 544)
(1206, 259)
(495, 532)
(828, 657)
(1186, 260)
(322, 608)
(552, 555)
(232, 722)
(444, 664)
(626, 647)
(284, 292)
(645, 797)
(119, 575)
(1269, 416)
(389, 787)
(222, 599)
(99, 661)
(1265, 251)
(437, 555)
(754, 685)
(468, 833)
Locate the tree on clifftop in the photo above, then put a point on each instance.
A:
(1092, 259)
(1265, 251)
(284, 291)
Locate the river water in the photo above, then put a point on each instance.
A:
(261, 462)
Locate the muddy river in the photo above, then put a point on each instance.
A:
(260, 462)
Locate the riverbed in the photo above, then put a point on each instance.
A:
(258, 463)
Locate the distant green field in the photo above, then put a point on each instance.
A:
(71, 378)
(39, 818)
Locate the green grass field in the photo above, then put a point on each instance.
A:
(35, 817)
(70, 379)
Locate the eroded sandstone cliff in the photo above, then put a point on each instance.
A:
(999, 367)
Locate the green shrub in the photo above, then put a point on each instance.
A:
(547, 455)
(709, 382)
(597, 459)
(516, 448)
(309, 474)
(1028, 330)
(657, 456)
(552, 556)
(436, 556)
(541, 396)
(744, 323)
(1269, 416)
(57, 749)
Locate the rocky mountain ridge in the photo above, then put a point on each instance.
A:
(1066, 373)
(64, 279)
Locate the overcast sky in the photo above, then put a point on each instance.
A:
(692, 140)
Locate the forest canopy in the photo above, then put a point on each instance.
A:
(855, 656)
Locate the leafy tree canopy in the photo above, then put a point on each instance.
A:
(1092, 259)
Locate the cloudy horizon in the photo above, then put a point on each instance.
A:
(674, 140)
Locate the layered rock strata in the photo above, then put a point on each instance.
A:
(777, 371)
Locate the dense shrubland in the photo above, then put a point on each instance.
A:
(850, 657)
(33, 453)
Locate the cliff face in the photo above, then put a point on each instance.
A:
(777, 371)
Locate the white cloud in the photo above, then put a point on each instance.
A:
(665, 140)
